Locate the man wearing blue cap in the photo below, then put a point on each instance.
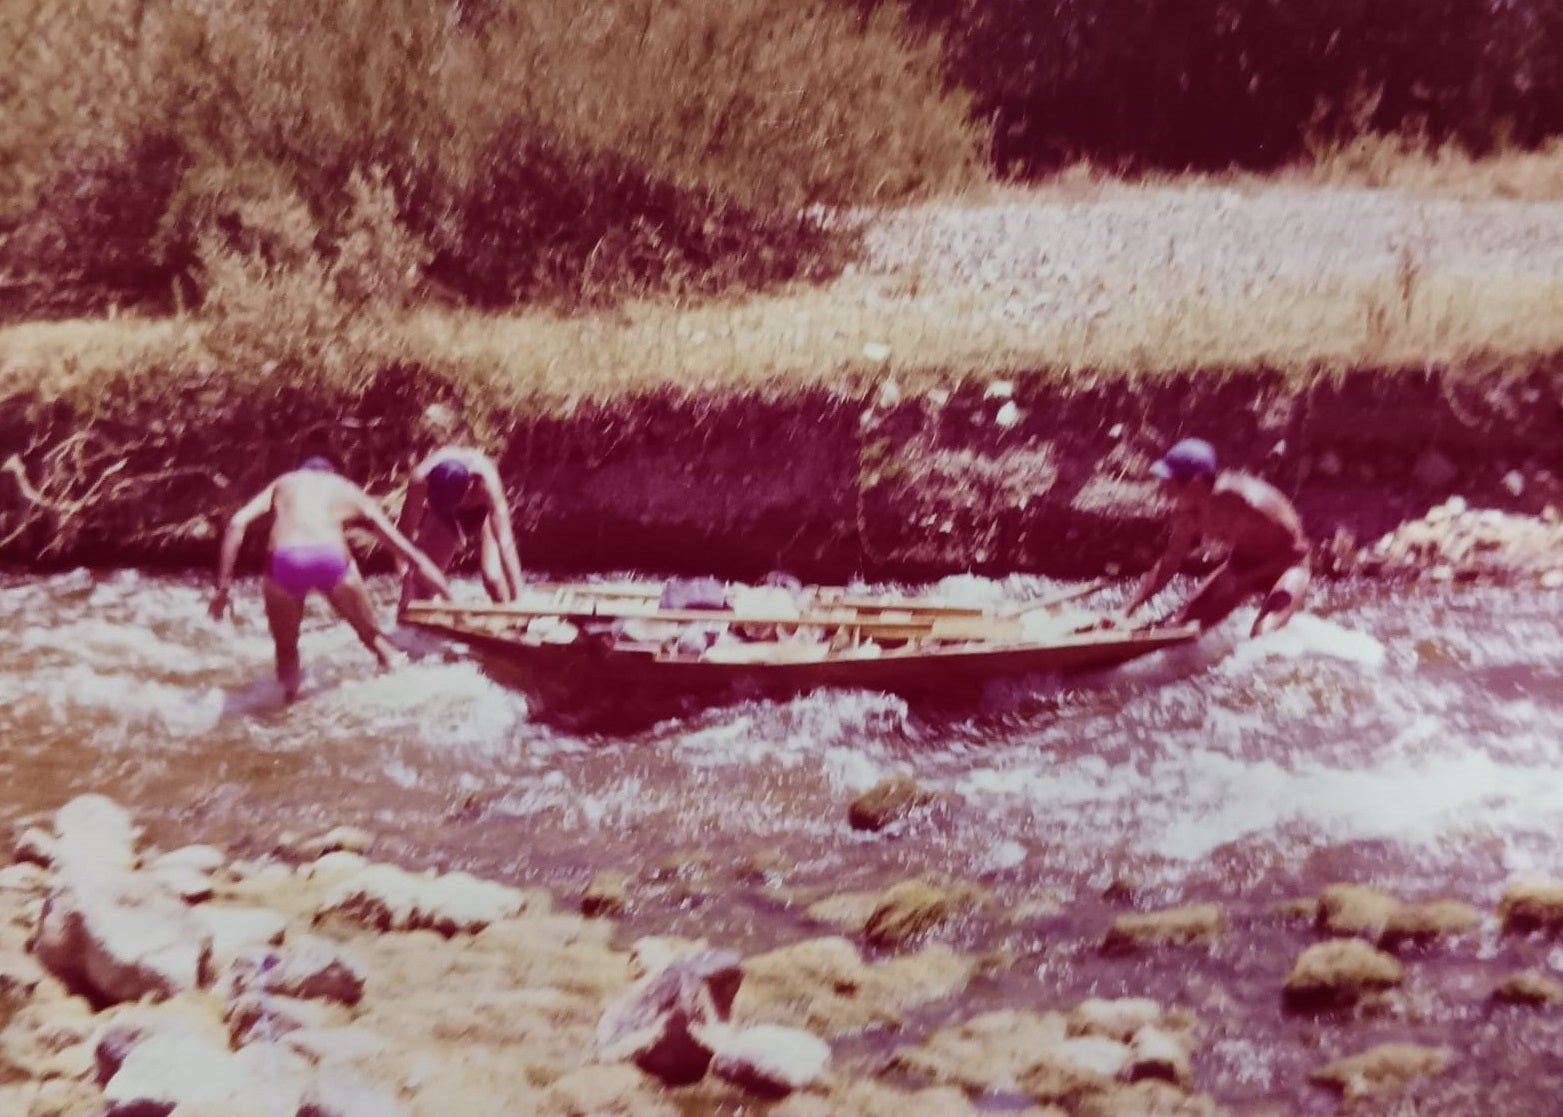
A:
(1267, 552)
(455, 496)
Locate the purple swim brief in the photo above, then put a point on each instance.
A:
(300, 568)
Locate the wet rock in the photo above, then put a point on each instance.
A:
(847, 912)
(1529, 987)
(1196, 925)
(987, 1054)
(1340, 973)
(310, 968)
(915, 907)
(1158, 1054)
(336, 1045)
(1149, 1098)
(135, 1024)
(257, 1017)
(608, 894)
(55, 1097)
(768, 1059)
(342, 1095)
(34, 846)
(594, 1091)
(392, 899)
(234, 930)
(195, 858)
(1116, 1019)
(190, 885)
(824, 986)
(1389, 1067)
(1532, 904)
(122, 938)
(888, 801)
(93, 834)
(765, 867)
(51, 1040)
(1354, 909)
(1074, 1069)
(1430, 922)
(169, 1071)
(340, 839)
(334, 866)
(657, 1025)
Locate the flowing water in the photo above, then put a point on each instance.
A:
(1411, 739)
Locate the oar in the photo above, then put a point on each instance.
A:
(1015, 609)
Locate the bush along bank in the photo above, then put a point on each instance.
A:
(1025, 475)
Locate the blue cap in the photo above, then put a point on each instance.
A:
(318, 464)
(448, 486)
(1190, 458)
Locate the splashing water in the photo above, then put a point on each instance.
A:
(1415, 741)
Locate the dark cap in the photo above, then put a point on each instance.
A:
(1190, 458)
(448, 483)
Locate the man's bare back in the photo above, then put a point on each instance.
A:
(307, 552)
(1267, 550)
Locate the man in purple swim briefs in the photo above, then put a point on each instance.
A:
(311, 508)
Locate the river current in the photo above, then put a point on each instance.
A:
(1411, 739)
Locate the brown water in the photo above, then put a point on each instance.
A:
(1411, 741)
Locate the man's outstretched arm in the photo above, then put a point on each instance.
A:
(1180, 541)
(233, 538)
(398, 542)
(504, 530)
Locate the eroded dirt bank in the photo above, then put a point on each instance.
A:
(1019, 475)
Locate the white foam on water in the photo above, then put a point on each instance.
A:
(445, 705)
(1184, 806)
(1305, 636)
(177, 711)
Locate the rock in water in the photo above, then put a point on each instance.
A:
(769, 1059)
(657, 1024)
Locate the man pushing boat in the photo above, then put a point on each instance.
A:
(311, 508)
(1267, 552)
(455, 496)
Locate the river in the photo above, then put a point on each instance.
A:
(1411, 739)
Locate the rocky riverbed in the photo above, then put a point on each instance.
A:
(321, 982)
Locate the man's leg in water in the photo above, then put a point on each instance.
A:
(284, 613)
(350, 598)
(1283, 600)
(439, 542)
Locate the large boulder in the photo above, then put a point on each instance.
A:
(1355, 909)
(121, 937)
(1339, 973)
(659, 1023)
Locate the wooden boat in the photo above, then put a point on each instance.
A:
(615, 643)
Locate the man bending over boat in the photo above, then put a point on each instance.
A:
(455, 496)
(311, 508)
(1267, 553)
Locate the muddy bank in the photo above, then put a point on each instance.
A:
(1022, 475)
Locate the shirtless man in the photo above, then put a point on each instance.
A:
(453, 496)
(1267, 553)
(310, 509)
